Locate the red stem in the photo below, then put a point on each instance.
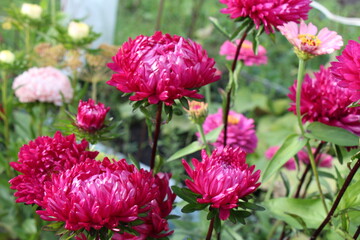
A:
(211, 227)
(156, 135)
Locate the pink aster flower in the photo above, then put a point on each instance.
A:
(46, 84)
(222, 179)
(91, 116)
(161, 68)
(269, 13)
(322, 100)
(289, 165)
(308, 42)
(346, 71)
(42, 158)
(246, 52)
(96, 194)
(241, 132)
(324, 160)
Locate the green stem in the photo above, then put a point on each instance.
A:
(27, 39)
(4, 105)
(300, 78)
(53, 12)
(94, 90)
(203, 138)
(156, 135)
(41, 119)
(159, 15)
(208, 94)
(194, 17)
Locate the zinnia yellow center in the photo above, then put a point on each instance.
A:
(233, 120)
(246, 46)
(309, 40)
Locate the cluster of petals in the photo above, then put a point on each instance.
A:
(45, 84)
(222, 179)
(346, 70)
(91, 116)
(246, 54)
(240, 131)
(323, 100)
(161, 68)
(324, 160)
(308, 42)
(268, 13)
(40, 159)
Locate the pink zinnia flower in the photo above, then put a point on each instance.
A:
(241, 132)
(269, 13)
(42, 158)
(161, 68)
(246, 52)
(222, 179)
(91, 116)
(289, 165)
(346, 71)
(96, 194)
(322, 100)
(46, 84)
(324, 160)
(306, 43)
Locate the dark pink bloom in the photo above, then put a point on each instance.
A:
(96, 194)
(222, 179)
(289, 165)
(322, 100)
(241, 132)
(324, 160)
(91, 116)
(346, 71)
(161, 68)
(269, 13)
(246, 52)
(42, 158)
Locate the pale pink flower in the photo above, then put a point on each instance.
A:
(346, 71)
(161, 68)
(240, 132)
(222, 179)
(46, 84)
(308, 42)
(289, 165)
(269, 13)
(246, 54)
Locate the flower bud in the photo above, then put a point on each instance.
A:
(32, 11)
(78, 30)
(197, 111)
(91, 116)
(7, 57)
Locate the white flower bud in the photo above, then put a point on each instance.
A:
(32, 11)
(78, 30)
(7, 57)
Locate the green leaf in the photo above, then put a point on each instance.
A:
(249, 205)
(336, 135)
(185, 194)
(184, 102)
(292, 144)
(191, 148)
(310, 211)
(217, 224)
(219, 27)
(214, 134)
(192, 207)
(242, 26)
(338, 153)
(299, 220)
(286, 183)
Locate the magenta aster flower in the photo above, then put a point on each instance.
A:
(161, 68)
(307, 42)
(346, 71)
(289, 165)
(42, 158)
(269, 13)
(96, 194)
(246, 52)
(222, 178)
(240, 132)
(91, 116)
(322, 100)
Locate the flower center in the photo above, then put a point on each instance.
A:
(246, 46)
(232, 120)
(309, 40)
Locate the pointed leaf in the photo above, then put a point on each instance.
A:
(191, 148)
(219, 27)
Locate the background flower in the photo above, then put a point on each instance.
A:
(270, 152)
(269, 13)
(78, 30)
(323, 160)
(161, 68)
(240, 132)
(43, 84)
(322, 100)
(7, 56)
(246, 52)
(91, 116)
(32, 11)
(346, 71)
(222, 178)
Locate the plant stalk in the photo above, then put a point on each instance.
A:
(203, 138)
(156, 135)
(159, 15)
(357, 233)
(4, 106)
(211, 228)
(194, 17)
(337, 200)
(94, 90)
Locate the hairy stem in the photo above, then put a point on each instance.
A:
(338, 198)
(156, 135)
